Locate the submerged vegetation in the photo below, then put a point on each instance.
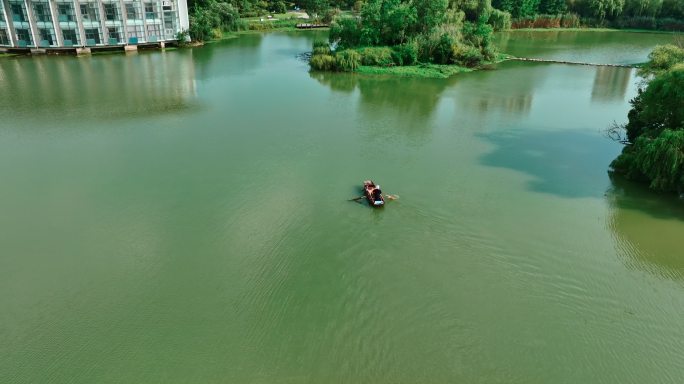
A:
(655, 132)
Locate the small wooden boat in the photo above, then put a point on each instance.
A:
(373, 194)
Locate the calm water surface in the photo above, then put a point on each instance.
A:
(182, 217)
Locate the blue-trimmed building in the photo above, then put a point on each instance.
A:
(89, 23)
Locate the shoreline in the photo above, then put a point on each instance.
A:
(593, 29)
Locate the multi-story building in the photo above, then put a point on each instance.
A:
(89, 23)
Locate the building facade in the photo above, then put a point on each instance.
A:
(89, 23)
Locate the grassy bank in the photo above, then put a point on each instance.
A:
(277, 22)
(432, 71)
(589, 29)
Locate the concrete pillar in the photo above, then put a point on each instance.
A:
(55, 23)
(79, 22)
(144, 20)
(32, 23)
(124, 21)
(103, 26)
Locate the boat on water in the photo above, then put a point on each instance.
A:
(373, 194)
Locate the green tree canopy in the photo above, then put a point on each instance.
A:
(655, 131)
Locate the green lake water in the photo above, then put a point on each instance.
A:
(182, 217)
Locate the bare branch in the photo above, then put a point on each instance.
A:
(617, 132)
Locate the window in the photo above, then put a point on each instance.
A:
(89, 12)
(23, 37)
(47, 36)
(65, 13)
(154, 32)
(169, 23)
(92, 36)
(151, 11)
(42, 12)
(114, 35)
(70, 37)
(135, 31)
(18, 12)
(132, 11)
(4, 38)
(111, 11)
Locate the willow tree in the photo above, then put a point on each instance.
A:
(655, 132)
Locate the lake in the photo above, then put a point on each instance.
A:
(183, 217)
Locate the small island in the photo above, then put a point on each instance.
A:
(433, 38)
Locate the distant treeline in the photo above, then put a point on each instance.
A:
(641, 14)
(209, 18)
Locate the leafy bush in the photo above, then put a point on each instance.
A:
(405, 54)
(346, 31)
(661, 59)
(202, 21)
(436, 47)
(321, 47)
(330, 15)
(323, 62)
(227, 15)
(379, 56)
(348, 60)
(500, 20)
(570, 20)
(467, 56)
(182, 37)
(661, 160)
(478, 34)
(538, 21)
(489, 53)
(671, 24)
(279, 7)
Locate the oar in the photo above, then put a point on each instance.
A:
(392, 197)
(357, 198)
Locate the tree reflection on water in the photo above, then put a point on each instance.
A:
(647, 227)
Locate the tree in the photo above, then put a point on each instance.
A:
(603, 9)
(315, 8)
(553, 7)
(641, 8)
(655, 131)
(661, 59)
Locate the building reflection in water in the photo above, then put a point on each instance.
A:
(98, 87)
(647, 227)
(509, 90)
(611, 83)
